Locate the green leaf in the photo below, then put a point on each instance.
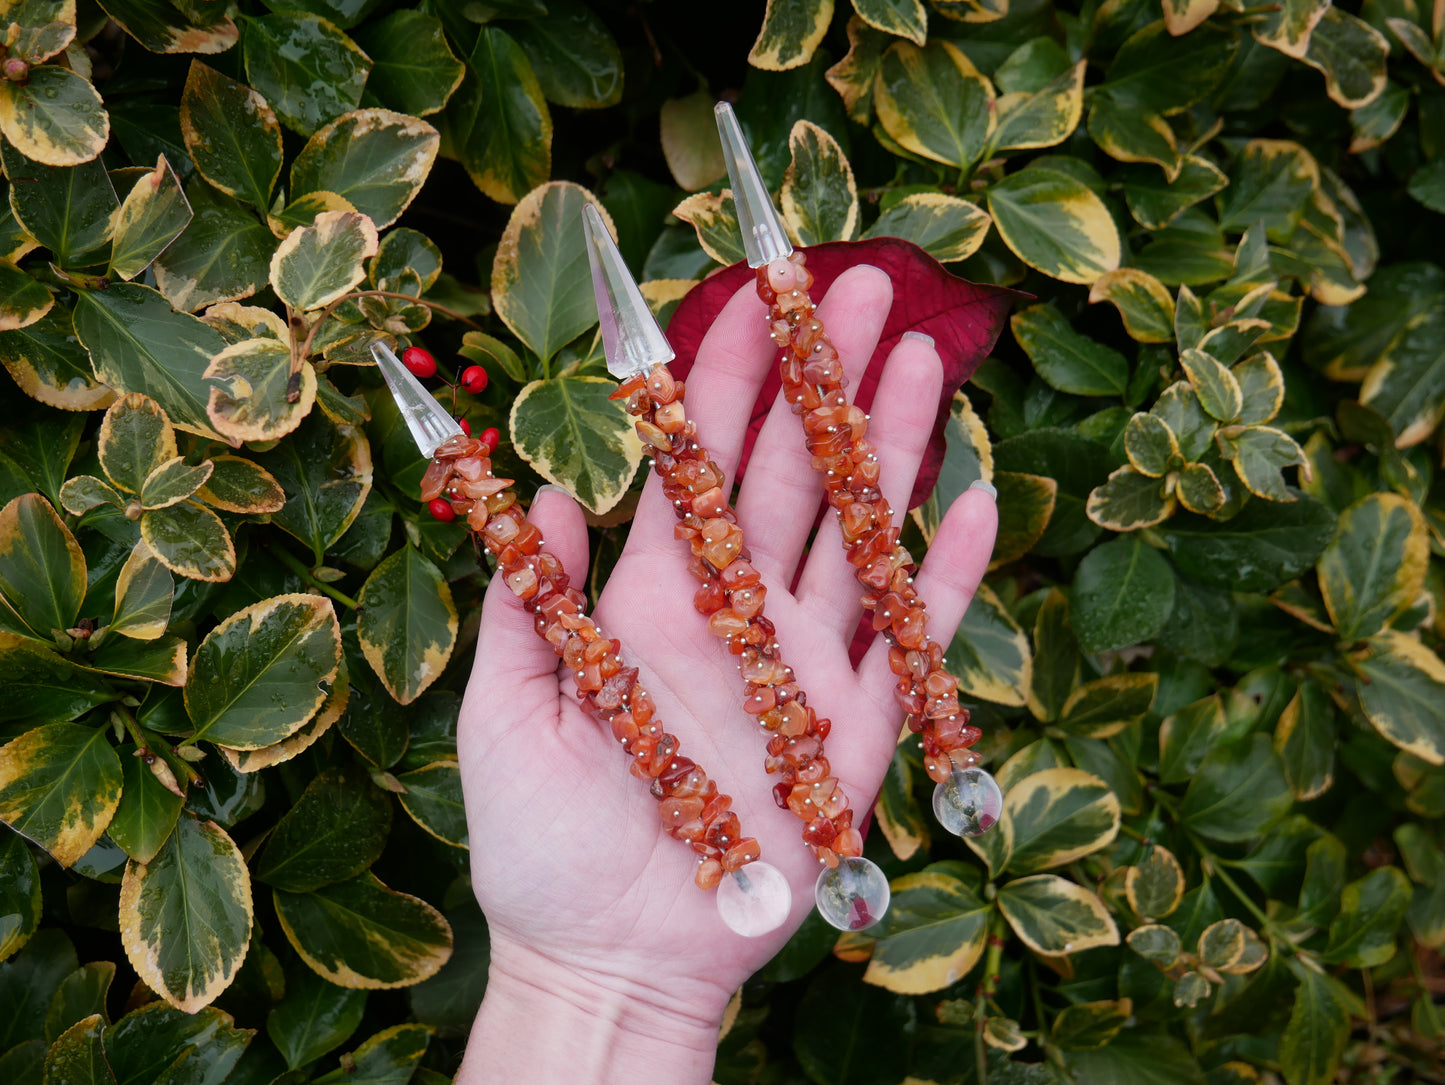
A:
(172, 482)
(325, 470)
(163, 26)
(160, 1043)
(933, 102)
(314, 1017)
(1123, 592)
(819, 197)
(81, 994)
(576, 59)
(388, 1058)
(221, 256)
(54, 116)
(1068, 361)
(238, 485)
(244, 762)
(901, 18)
(1059, 815)
(932, 936)
(945, 227)
(1076, 464)
(317, 264)
(1155, 202)
(185, 916)
(43, 685)
(138, 343)
(68, 210)
(1264, 546)
(1130, 500)
(305, 67)
(48, 363)
(1403, 682)
(714, 218)
(1261, 387)
(147, 812)
(899, 814)
(232, 135)
(1042, 118)
(28, 983)
(1218, 390)
(190, 540)
(1238, 792)
(990, 653)
(854, 76)
(1259, 454)
(19, 893)
(59, 786)
(1371, 911)
(26, 300)
(791, 32)
(1090, 1025)
(1104, 707)
(497, 122)
(1288, 27)
(255, 679)
(570, 433)
(1155, 72)
(1137, 1057)
(433, 798)
(1056, 224)
(408, 623)
(413, 67)
(335, 830)
(1319, 1026)
(1204, 624)
(1151, 445)
(1351, 53)
(690, 143)
(1154, 887)
(153, 215)
(1056, 658)
(77, 1055)
(1427, 185)
(1374, 567)
(1144, 305)
(374, 159)
(1054, 916)
(254, 395)
(1128, 134)
(1026, 505)
(361, 934)
(377, 728)
(1406, 383)
(1271, 182)
(42, 569)
(135, 439)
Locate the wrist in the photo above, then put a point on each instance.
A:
(541, 1021)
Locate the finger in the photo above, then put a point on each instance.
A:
(899, 427)
(950, 575)
(780, 496)
(510, 654)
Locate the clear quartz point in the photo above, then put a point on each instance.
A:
(630, 336)
(754, 900)
(968, 803)
(852, 895)
(764, 238)
(430, 423)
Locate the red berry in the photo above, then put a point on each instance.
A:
(441, 509)
(419, 361)
(491, 438)
(474, 379)
(466, 426)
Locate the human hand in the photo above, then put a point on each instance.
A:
(590, 903)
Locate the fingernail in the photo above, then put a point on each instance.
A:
(549, 486)
(920, 336)
(875, 267)
(985, 487)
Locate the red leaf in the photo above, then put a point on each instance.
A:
(963, 318)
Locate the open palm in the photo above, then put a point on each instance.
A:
(569, 859)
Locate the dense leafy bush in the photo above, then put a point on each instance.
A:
(1206, 658)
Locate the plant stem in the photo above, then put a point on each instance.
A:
(985, 993)
(156, 745)
(305, 351)
(292, 562)
(1214, 867)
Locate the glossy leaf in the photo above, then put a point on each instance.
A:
(1261, 387)
(945, 227)
(49, 365)
(1054, 916)
(135, 439)
(54, 116)
(390, 1057)
(990, 654)
(1068, 361)
(67, 209)
(159, 1042)
(1371, 911)
(1318, 1028)
(1127, 134)
(1406, 382)
(1026, 503)
(1090, 1025)
(1155, 885)
(819, 197)
(1123, 592)
(1104, 707)
(1130, 500)
(408, 623)
(240, 485)
(162, 26)
(1155, 202)
(79, 996)
(314, 1017)
(42, 569)
(854, 76)
(540, 284)
(433, 798)
(335, 831)
(377, 728)
(933, 102)
(147, 812)
(1239, 791)
(1156, 72)
(1263, 547)
(19, 893)
(1351, 53)
(714, 218)
(77, 1056)
(138, 343)
(317, 264)
(374, 159)
(1401, 691)
(252, 396)
(1259, 454)
(1144, 305)
(221, 256)
(1374, 568)
(59, 786)
(1156, 943)
(255, 679)
(791, 32)
(575, 58)
(571, 434)
(173, 482)
(497, 121)
(186, 915)
(153, 215)
(900, 815)
(1057, 816)
(232, 135)
(190, 540)
(26, 300)
(413, 68)
(1043, 118)
(249, 761)
(44, 685)
(306, 68)
(361, 934)
(1055, 224)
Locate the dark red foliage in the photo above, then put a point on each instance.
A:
(963, 318)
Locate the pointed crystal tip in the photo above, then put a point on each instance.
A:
(429, 422)
(630, 336)
(764, 237)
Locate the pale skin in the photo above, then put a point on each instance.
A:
(607, 962)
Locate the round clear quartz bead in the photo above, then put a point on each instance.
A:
(852, 895)
(754, 900)
(968, 803)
